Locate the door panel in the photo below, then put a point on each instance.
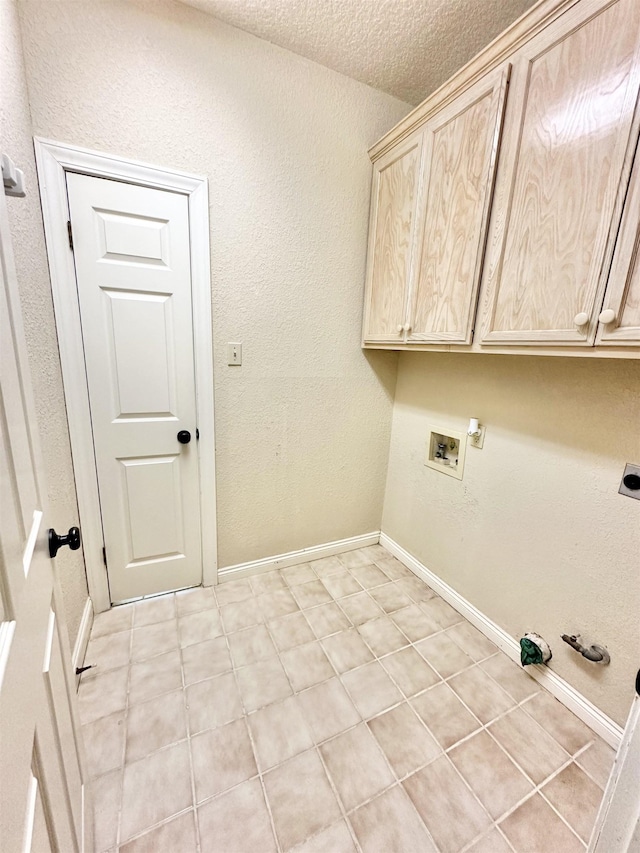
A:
(623, 289)
(571, 105)
(131, 249)
(392, 240)
(149, 391)
(462, 144)
(152, 489)
(41, 782)
(132, 239)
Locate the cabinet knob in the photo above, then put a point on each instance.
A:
(407, 327)
(400, 327)
(607, 316)
(581, 319)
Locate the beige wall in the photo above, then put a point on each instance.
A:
(303, 426)
(535, 535)
(33, 276)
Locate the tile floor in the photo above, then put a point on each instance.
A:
(334, 706)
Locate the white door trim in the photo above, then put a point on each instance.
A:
(53, 160)
(617, 824)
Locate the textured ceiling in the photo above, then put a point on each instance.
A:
(404, 47)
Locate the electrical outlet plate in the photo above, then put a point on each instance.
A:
(630, 469)
(477, 440)
(455, 444)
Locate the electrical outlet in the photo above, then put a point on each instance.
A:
(477, 440)
(234, 354)
(630, 485)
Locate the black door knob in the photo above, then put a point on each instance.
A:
(184, 436)
(72, 539)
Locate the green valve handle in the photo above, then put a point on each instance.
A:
(529, 652)
(533, 649)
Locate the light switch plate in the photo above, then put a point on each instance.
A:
(234, 354)
(630, 471)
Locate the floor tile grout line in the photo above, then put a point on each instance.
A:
(365, 721)
(315, 746)
(126, 729)
(245, 715)
(254, 749)
(563, 818)
(486, 727)
(130, 665)
(537, 786)
(128, 706)
(189, 748)
(493, 828)
(504, 837)
(398, 781)
(587, 772)
(338, 798)
(152, 827)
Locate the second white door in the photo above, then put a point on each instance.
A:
(131, 249)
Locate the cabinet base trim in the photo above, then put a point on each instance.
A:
(602, 351)
(585, 710)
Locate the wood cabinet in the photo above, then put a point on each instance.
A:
(430, 204)
(507, 202)
(622, 299)
(460, 152)
(573, 94)
(392, 233)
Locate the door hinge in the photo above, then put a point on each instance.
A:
(104, 557)
(70, 233)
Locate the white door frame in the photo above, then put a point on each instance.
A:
(618, 822)
(53, 160)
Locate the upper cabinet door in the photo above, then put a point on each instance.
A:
(461, 147)
(621, 308)
(563, 170)
(392, 233)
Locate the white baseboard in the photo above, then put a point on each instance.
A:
(82, 640)
(281, 561)
(601, 724)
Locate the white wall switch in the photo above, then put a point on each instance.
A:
(234, 354)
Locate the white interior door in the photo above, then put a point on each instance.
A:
(131, 249)
(41, 789)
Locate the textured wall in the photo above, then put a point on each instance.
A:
(535, 535)
(33, 276)
(302, 428)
